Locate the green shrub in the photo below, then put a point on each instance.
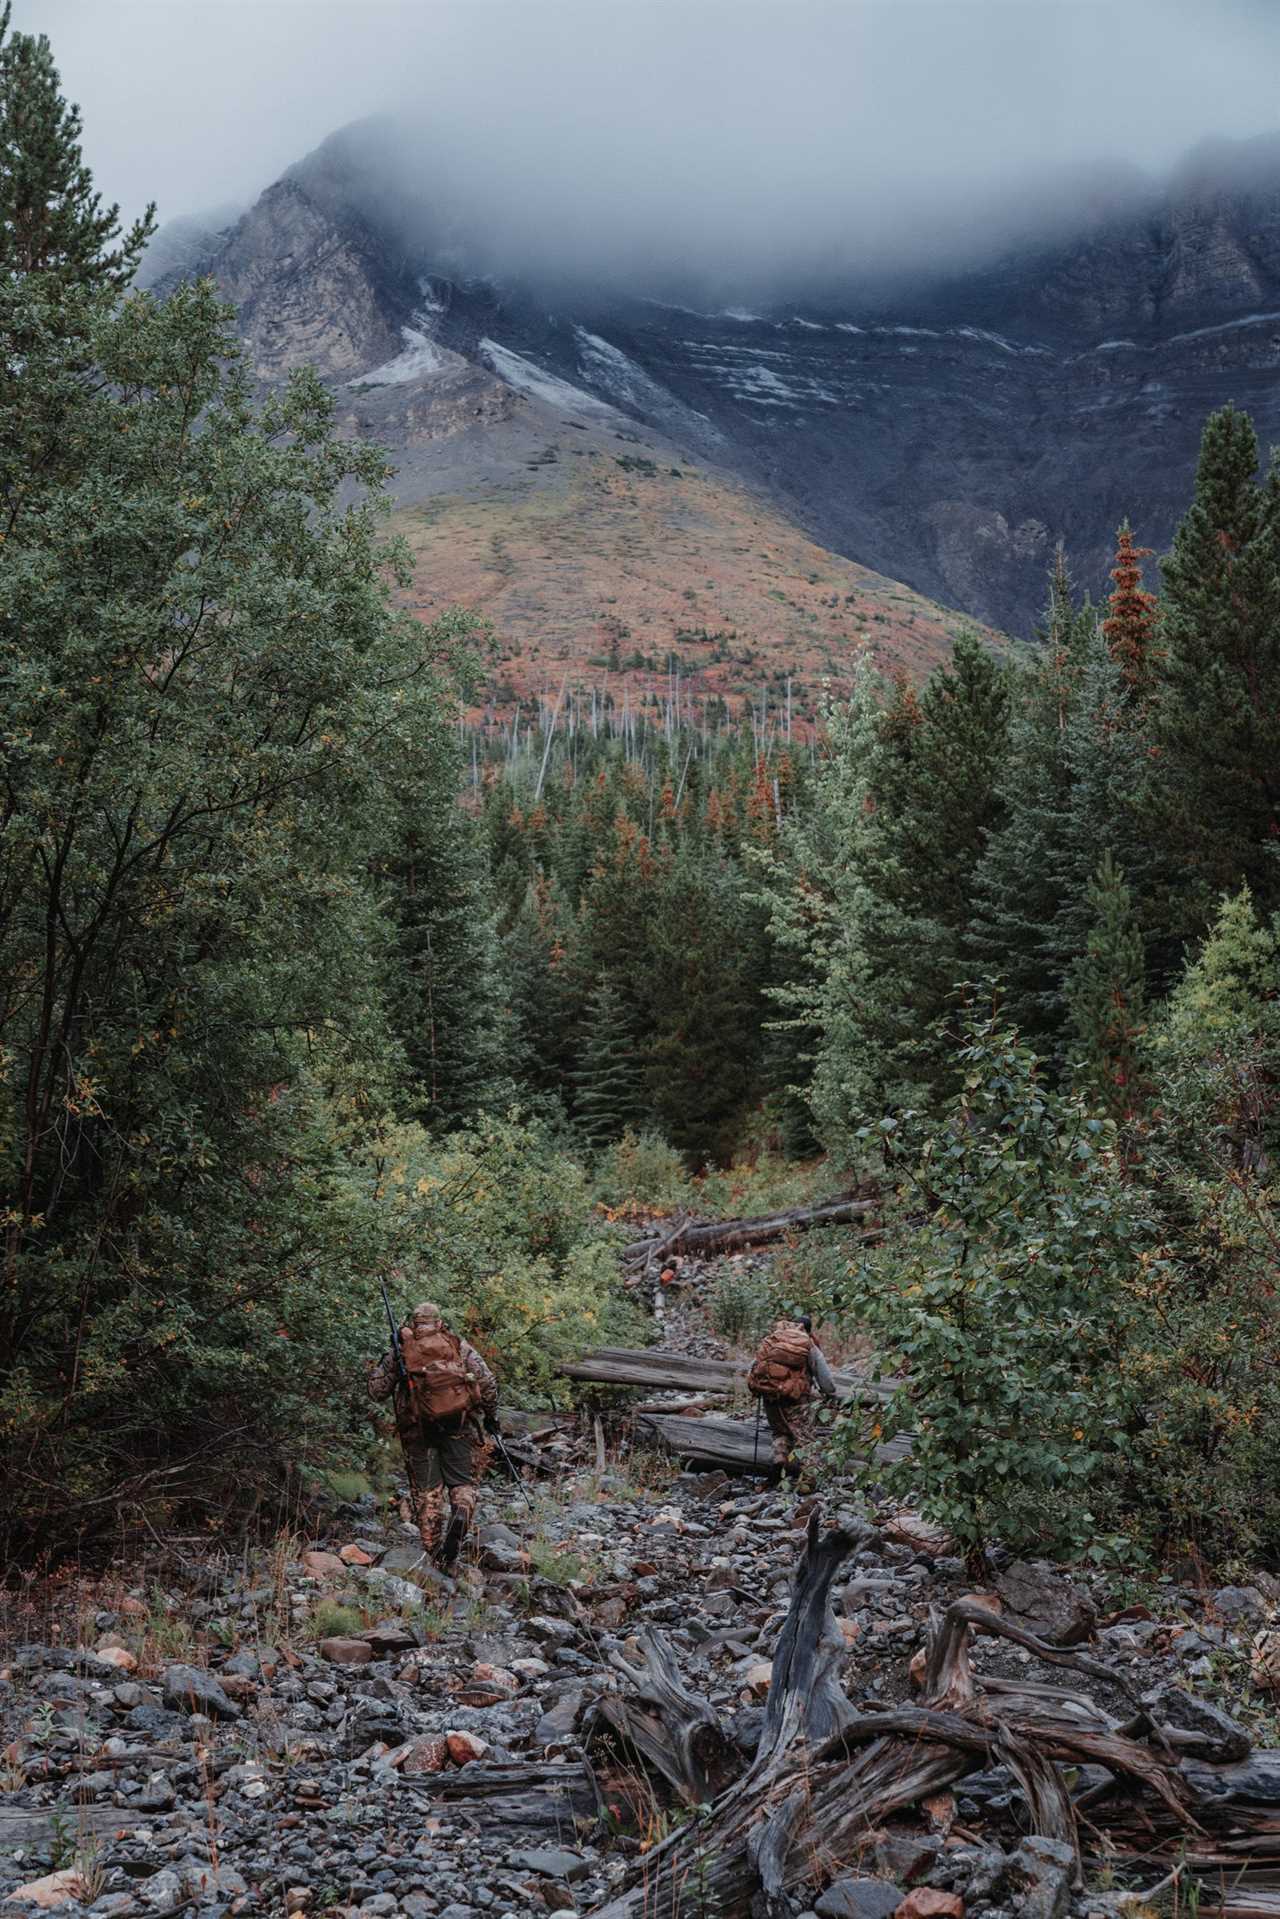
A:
(1006, 1308)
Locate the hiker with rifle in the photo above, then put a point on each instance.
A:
(784, 1372)
(443, 1394)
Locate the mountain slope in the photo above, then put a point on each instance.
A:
(946, 433)
(600, 558)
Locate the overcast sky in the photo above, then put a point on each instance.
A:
(755, 125)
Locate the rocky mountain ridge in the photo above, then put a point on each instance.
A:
(945, 433)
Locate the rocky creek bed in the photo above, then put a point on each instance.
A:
(210, 1736)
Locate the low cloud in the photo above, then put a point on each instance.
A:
(724, 143)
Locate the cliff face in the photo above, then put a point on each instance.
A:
(947, 435)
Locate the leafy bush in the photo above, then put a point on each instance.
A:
(642, 1174)
(1206, 1471)
(497, 1224)
(1006, 1308)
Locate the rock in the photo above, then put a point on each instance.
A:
(558, 1722)
(55, 1889)
(551, 1632)
(551, 1862)
(346, 1652)
(118, 1656)
(498, 1557)
(1043, 1601)
(297, 1899)
(1241, 1605)
(464, 1747)
(380, 1902)
(390, 1635)
(323, 1565)
(926, 1902)
(1170, 1706)
(188, 1689)
(162, 1891)
(910, 1529)
(355, 1556)
(494, 1680)
(1045, 1868)
(426, 1756)
(1264, 1661)
(906, 1857)
(854, 1897)
(1254, 1783)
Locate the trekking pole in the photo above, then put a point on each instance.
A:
(509, 1463)
(402, 1377)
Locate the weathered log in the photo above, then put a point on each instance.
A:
(804, 1807)
(673, 1731)
(527, 1797)
(23, 1826)
(727, 1235)
(656, 1368)
(734, 1444)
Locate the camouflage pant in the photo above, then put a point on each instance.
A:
(441, 1460)
(787, 1427)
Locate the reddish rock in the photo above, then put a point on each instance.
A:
(426, 1756)
(346, 1652)
(119, 1657)
(354, 1556)
(464, 1747)
(55, 1889)
(323, 1565)
(926, 1902)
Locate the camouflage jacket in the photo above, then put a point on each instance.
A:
(382, 1378)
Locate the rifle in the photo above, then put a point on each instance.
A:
(402, 1376)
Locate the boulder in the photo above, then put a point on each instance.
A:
(1043, 1601)
(1240, 1605)
(465, 1747)
(1044, 1870)
(426, 1756)
(1172, 1707)
(926, 1902)
(55, 1889)
(855, 1897)
(322, 1565)
(551, 1862)
(189, 1689)
(346, 1652)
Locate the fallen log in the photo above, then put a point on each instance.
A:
(733, 1444)
(658, 1369)
(524, 1798)
(728, 1235)
(825, 1775)
(675, 1731)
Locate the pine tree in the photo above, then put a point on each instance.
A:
(1130, 625)
(609, 1092)
(1106, 991)
(53, 226)
(1214, 793)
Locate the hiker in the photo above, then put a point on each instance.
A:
(787, 1366)
(451, 1393)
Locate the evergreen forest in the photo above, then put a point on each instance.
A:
(302, 985)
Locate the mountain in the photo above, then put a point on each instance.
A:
(946, 432)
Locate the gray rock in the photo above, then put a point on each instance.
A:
(188, 1689)
(853, 1897)
(381, 1902)
(1255, 1783)
(1240, 1604)
(551, 1862)
(162, 1892)
(557, 1723)
(1044, 1868)
(1044, 1602)
(1172, 1707)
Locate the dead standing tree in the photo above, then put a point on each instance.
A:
(826, 1775)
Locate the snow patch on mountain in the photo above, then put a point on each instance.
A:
(420, 358)
(525, 377)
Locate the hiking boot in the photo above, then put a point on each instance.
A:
(452, 1541)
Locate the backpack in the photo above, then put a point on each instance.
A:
(440, 1387)
(780, 1369)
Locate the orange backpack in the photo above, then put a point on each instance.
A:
(780, 1369)
(440, 1387)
